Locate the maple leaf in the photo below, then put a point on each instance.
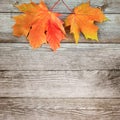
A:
(39, 25)
(83, 21)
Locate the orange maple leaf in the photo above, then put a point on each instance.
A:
(82, 21)
(39, 25)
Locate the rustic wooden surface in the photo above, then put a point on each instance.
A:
(77, 82)
(109, 31)
(59, 109)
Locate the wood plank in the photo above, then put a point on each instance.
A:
(109, 31)
(59, 109)
(111, 6)
(60, 84)
(69, 57)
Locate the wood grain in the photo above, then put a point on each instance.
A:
(68, 57)
(111, 6)
(109, 31)
(77, 82)
(59, 109)
(60, 84)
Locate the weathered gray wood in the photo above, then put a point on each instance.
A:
(60, 84)
(111, 6)
(68, 57)
(77, 82)
(59, 109)
(109, 31)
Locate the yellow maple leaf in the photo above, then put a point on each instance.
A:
(82, 21)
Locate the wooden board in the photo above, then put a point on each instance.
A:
(77, 82)
(109, 31)
(68, 57)
(60, 84)
(111, 6)
(59, 109)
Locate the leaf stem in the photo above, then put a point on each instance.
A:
(54, 5)
(67, 6)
